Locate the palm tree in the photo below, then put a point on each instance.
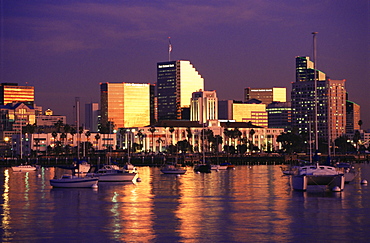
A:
(171, 131)
(97, 137)
(152, 130)
(360, 123)
(251, 141)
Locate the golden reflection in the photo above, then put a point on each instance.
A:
(132, 206)
(5, 223)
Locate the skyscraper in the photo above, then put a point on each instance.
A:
(204, 106)
(330, 102)
(176, 81)
(92, 116)
(353, 116)
(12, 93)
(125, 104)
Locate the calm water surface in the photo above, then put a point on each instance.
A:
(248, 204)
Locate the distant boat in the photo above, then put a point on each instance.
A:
(203, 168)
(219, 167)
(172, 169)
(24, 168)
(69, 181)
(113, 173)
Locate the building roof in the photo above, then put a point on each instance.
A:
(238, 125)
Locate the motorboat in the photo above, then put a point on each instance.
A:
(70, 181)
(24, 168)
(82, 167)
(172, 169)
(113, 173)
(348, 170)
(317, 175)
(219, 167)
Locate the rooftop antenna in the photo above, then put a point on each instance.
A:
(169, 49)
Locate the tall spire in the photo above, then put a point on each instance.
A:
(169, 49)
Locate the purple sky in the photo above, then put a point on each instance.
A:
(66, 48)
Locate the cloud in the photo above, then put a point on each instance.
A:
(79, 26)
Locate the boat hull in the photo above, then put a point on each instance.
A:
(176, 171)
(24, 168)
(301, 182)
(203, 168)
(74, 182)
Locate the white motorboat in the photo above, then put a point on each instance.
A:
(172, 169)
(23, 168)
(82, 167)
(348, 170)
(219, 167)
(317, 175)
(69, 181)
(113, 173)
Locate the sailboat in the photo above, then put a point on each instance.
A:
(316, 174)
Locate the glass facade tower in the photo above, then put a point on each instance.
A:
(176, 81)
(125, 104)
(11, 92)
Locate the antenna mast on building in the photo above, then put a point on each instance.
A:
(169, 49)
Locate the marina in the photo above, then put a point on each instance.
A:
(253, 202)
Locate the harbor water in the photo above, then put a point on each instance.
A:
(247, 204)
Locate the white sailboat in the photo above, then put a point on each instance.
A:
(318, 175)
(70, 181)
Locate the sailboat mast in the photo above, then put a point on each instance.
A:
(315, 93)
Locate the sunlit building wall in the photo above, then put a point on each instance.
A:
(336, 106)
(176, 81)
(125, 104)
(266, 95)
(12, 93)
(204, 106)
(162, 135)
(254, 113)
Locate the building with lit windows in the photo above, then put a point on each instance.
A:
(204, 106)
(176, 81)
(12, 93)
(125, 104)
(265, 95)
(331, 115)
(279, 115)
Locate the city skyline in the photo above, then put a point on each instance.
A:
(66, 49)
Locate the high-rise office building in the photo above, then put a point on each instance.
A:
(336, 108)
(353, 116)
(330, 100)
(176, 81)
(12, 93)
(125, 104)
(265, 95)
(92, 114)
(204, 106)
